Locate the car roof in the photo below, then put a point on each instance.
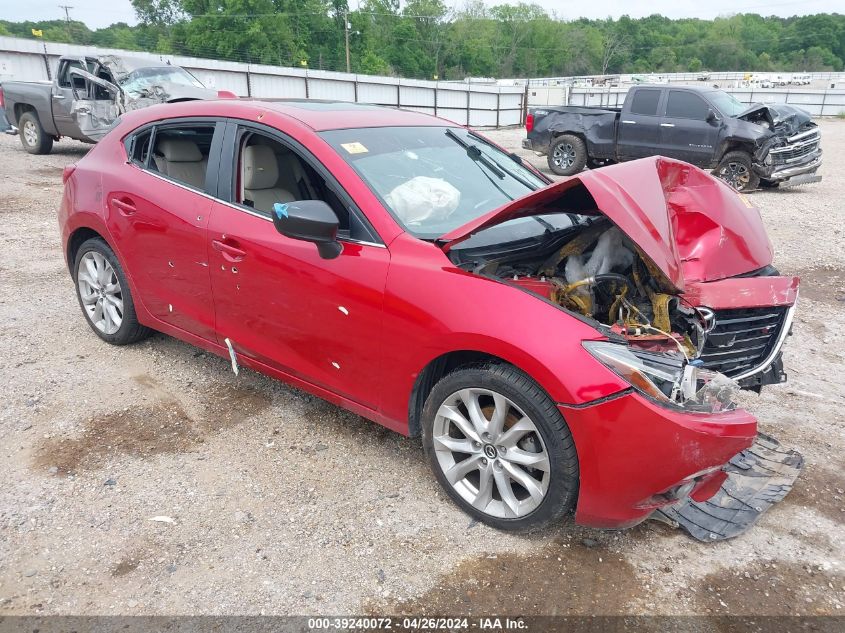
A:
(690, 87)
(323, 115)
(317, 115)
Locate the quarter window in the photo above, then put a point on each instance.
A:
(140, 147)
(686, 105)
(645, 102)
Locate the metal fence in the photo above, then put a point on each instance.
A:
(466, 104)
(816, 102)
(678, 77)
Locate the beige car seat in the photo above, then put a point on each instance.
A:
(292, 176)
(261, 178)
(182, 160)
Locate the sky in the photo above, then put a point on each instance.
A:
(100, 13)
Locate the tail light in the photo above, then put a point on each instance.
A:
(529, 123)
(67, 172)
(2, 98)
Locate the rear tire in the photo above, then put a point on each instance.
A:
(104, 295)
(33, 137)
(517, 475)
(735, 169)
(567, 155)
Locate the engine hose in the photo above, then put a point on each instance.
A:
(615, 277)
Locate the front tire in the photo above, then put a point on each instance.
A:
(500, 447)
(104, 294)
(33, 137)
(567, 155)
(735, 169)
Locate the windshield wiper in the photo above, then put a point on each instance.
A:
(482, 161)
(476, 154)
(513, 157)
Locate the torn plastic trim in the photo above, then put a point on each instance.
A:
(232, 356)
(757, 478)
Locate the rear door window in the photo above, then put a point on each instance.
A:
(180, 152)
(686, 105)
(66, 80)
(645, 102)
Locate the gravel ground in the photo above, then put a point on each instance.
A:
(277, 502)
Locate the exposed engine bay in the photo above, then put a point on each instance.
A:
(601, 274)
(596, 271)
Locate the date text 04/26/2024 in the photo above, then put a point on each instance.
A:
(410, 623)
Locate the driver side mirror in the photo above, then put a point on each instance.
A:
(712, 119)
(309, 221)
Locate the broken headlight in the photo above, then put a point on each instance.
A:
(667, 378)
(707, 391)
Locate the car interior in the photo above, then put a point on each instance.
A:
(269, 172)
(182, 154)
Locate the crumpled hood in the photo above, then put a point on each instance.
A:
(692, 226)
(778, 115)
(164, 92)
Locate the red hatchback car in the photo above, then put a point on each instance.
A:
(557, 346)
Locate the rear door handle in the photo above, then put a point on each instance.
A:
(125, 206)
(229, 252)
(631, 122)
(667, 125)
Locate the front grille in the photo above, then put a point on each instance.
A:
(795, 151)
(742, 339)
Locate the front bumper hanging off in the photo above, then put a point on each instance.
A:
(758, 478)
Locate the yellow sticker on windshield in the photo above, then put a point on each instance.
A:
(354, 148)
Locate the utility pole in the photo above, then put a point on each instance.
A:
(346, 35)
(67, 18)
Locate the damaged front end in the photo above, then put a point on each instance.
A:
(788, 149)
(658, 254)
(674, 269)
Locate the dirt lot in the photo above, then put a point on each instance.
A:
(281, 503)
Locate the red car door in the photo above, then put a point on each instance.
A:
(158, 210)
(275, 298)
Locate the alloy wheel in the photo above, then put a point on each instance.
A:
(564, 155)
(100, 292)
(736, 175)
(491, 453)
(30, 134)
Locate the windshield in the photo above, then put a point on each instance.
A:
(727, 104)
(144, 78)
(433, 179)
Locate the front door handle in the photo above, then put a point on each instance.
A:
(631, 122)
(230, 253)
(125, 206)
(58, 96)
(667, 125)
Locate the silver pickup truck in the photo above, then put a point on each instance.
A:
(89, 94)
